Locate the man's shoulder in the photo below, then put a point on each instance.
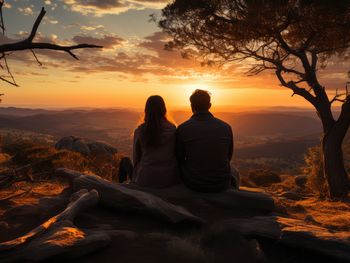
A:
(185, 124)
(222, 123)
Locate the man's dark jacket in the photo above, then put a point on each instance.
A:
(204, 150)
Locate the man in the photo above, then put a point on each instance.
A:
(204, 148)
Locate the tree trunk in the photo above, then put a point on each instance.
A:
(333, 162)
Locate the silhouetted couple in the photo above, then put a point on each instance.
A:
(197, 153)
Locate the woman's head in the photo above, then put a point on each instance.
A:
(155, 108)
(155, 115)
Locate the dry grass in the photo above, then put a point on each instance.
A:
(44, 159)
(334, 215)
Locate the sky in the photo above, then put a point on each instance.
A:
(132, 65)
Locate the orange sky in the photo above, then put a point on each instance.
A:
(132, 66)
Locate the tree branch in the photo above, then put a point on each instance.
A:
(28, 44)
(297, 90)
(36, 25)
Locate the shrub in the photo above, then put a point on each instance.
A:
(314, 169)
(263, 177)
(43, 160)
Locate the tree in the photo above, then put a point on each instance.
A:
(30, 44)
(293, 38)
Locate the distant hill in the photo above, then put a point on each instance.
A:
(289, 124)
(13, 111)
(276, 149)
(256, 133)
(272, 124)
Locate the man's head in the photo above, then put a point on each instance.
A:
(200, 100)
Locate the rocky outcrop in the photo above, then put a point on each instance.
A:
(121, 198)
(173, 223)
(296, 235)
(94, 149)
(58, 235)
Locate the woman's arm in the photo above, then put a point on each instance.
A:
(137, 153)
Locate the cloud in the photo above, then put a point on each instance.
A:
(146, 59)
(107, 41)
(7, 5)
(92, 28)
(102, 7)
(25, 10)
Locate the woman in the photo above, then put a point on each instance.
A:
(155, 164)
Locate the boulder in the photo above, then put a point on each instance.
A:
(73, 144)
(58, 235)
(86, 148)
(99, 148)
(119, 197)
(301, 237)
(264, 177)
(291, 195)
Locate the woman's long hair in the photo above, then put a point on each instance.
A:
(155, 115)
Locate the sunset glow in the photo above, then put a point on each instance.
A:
(132, 65)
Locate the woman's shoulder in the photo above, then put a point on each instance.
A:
(139, 128)
(169, 125)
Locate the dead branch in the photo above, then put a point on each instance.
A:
(117, 196)
(30, 44)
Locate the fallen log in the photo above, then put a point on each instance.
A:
(58, 235)
(231, 199)
(119, 197)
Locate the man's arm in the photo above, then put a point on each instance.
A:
(231, 146)
(180, 151)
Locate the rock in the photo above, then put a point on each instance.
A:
(93, 149)
(118, 196)
(57, 236)
(99, 148)
(234, 238)
(21, 213)
(297, 234)
(73, 144)
(291, 195)
(264, 177)
(3, 225)
(246, 182)
(294, 234)
(301, 180)
(244, 199)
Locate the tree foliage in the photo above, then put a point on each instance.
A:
(287, 36)
(292, 38)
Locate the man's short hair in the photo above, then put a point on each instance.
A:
(200, 100)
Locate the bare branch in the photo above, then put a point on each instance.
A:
(7, 81)
(28, 44)
(338, 96)
(2, 25)
(36, 58)
(296, 90)
(9, 71)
